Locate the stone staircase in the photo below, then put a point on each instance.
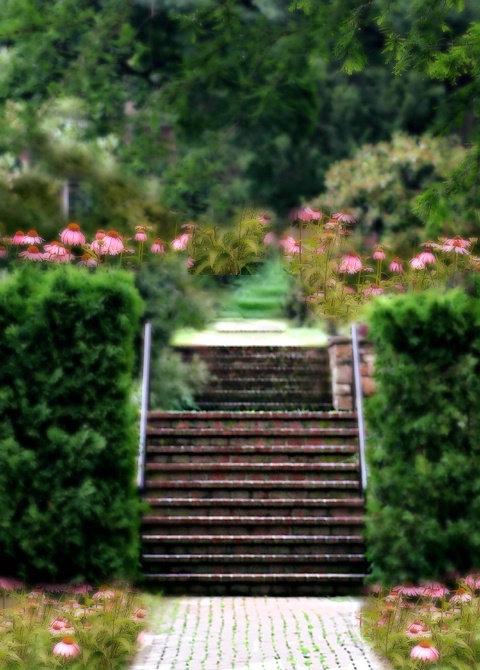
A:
(264, 502)
(264, 378)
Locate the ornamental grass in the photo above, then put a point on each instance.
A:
(59, 626)
(429, 624)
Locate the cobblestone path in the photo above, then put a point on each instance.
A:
(257, 633)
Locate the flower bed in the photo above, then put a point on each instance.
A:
(78, 627)
(413, 626)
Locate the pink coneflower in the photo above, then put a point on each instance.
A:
(290, 245)
(141, 236)
(265, 218)
(112, 243)
(32, 254)
(300, 214)
(158, 247)
(190, 262)
(407, 590)
(433, 590)
(379, 254)
(67, 647)
(417, 264)
(18, 237)
(473, 581)
(139, 614)
(461, 595)
(88, 261)
(144, 639)
(373, 289)
(104, 593)
(32, 237)
(417, 628)
(271, 238)
(81, 588)
(350, 263)
(55, 249)
(57, 626)
(188, 226)
(344, 216)
(53, 588)
(425, 651)
(427, 257)
(97, 244)
(315, 297)
(72, 235)
(396, 265)
(10, 584)
(180, 243)
(456, 244)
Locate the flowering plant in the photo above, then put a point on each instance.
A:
(418, 625)
(55, 625)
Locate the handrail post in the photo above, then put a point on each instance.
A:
(147, 346)
(359, 404)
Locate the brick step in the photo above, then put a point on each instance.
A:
(194, 457)
(249, 450)
(255, 577)
(236, 352)
(271, 470)
(244, 543)
(239, 432)
(246, 419)
(305, 395)
(256, 566)
(235, 525)
(199, 488)
(251, 507)
(264, 407)
(252, 558)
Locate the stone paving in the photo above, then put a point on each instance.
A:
(257, 633)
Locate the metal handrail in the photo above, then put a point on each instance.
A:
(359, 404)
(147, 346)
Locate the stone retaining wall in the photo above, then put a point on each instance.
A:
(341, 367)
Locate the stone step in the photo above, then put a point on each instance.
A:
(246, 544)
(246, 419)
(316, 559)
(264, 353)
(242, 525)
(261, 454)
(258, 566)
(267, 432)
(201, 488)
(257, 471)
(253, 507)
(305, 396)
(264, 407)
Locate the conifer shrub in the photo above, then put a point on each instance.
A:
(423, 503)
(68, 433)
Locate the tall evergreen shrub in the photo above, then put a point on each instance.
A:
(423, 507)
(68, 433)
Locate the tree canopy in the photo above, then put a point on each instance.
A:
(243, 101)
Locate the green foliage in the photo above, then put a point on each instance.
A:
(423, 426)
(68, 433)
(174, 382)
(263, 296)
(173, 299)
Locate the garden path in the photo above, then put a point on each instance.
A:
(257, 633)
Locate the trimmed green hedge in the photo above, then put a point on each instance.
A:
(68, 431)
(423, 506)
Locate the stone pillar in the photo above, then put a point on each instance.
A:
(341, 368)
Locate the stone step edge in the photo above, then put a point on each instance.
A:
(243, 484)
(255, 502)
(159, 414)
(273, 432)
(251, 467)
(272, 558)
(266, 539)
(257, 520)
(256, 577)
(253, 449)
